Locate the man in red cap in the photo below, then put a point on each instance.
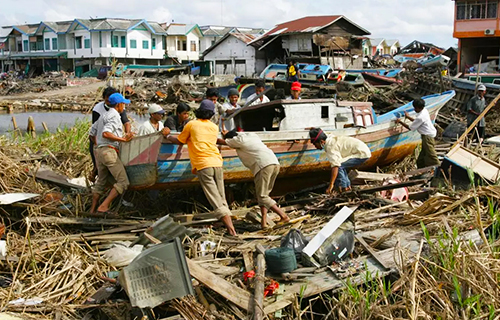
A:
(295, 91)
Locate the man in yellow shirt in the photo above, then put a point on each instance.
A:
(343, 153)
(201, 137)
(292, 71)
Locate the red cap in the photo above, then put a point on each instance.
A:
(296, 86)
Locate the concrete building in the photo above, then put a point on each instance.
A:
(212, 34)
(183, 42)
(333, 40)
(477, 28)
(232, 55)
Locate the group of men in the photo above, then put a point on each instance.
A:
(111, 126)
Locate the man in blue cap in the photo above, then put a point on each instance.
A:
(107, 134)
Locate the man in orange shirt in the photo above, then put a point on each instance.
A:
(201, 137)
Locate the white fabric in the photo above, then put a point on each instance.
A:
(265, 99)
(339, 149)
(110, 121)
(228, 124)
(154, 108)
(253, 153)
(100, 108)
(291, 98)
(148, 128)
(423, 124)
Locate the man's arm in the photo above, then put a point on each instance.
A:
(112, 137)
(174, 140)
(221, 141)
(335, 172)
(125, 121)
(403, 124)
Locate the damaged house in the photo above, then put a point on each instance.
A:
(476, 27)
(332, 40)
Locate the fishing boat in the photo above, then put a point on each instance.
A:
(433, 61)
(379, 80)
(283, 126)
(471, 84)
(493, 78)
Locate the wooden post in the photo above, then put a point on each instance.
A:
(14, 123)
(31, 126)
(259, 287)
(473, 125)
(477, 74)
(45, 128)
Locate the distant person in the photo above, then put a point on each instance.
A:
(201, 136)
(98, 110)
(295, 91)
(263, 164)
(292, 71)
(475, 107)
(154, 124)
(343, 153)
(178, 121)
(260, 87)
(212, 94)
(423, 124)
(229, 108)
(107, 134)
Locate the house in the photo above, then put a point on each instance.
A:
(477, 28)
(367, 47)
(329, 40)
(211, 34)
(232, 55)
(183, 42)
(393, 46)
(378, 46)
(417, 49)
(83, 44)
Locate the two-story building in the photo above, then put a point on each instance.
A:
(477, 28)
(333, 40)
(183, 42)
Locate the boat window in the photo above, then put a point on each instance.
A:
(368, 119)
(496, 81)
(325, 114)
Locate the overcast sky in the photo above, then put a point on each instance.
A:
(406, 20)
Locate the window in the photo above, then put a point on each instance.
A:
(184, 45)
(26, 45)
(213, 42)
(87, 43)
(47, 44)
(164, 42)
(324, 112)
(153, 43)
(100, 39)
(145, 44)
(179, 45)
(133, 44)
(54, 43)
(193, 46)
(114, 42)
(486, 9)
(32, 46)
(123, 42)
(78, 42)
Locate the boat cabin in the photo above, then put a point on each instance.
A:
(289, 115)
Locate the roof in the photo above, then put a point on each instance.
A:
(220, 31)
(376, 41)
(392, 42)
(116, 24)
(24, 55)
(309, 25)
(5, 32)
(178, 29)
(246, 38)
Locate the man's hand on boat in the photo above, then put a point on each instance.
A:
(165, 131)
(129, 136)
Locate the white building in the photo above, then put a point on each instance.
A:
(183, 42)
(394, 46)
(212, 34)
(232, 55)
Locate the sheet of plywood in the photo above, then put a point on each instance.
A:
(466, 158)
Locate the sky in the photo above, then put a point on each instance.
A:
(406, 20)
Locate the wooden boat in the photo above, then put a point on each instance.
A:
(378, 80)
(492, 78)
(282, 125)
(433, 61)
(471, 85)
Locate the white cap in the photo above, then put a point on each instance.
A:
(481, 87)
(154, 108)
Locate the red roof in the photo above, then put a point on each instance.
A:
(247, 38)
(306, 24)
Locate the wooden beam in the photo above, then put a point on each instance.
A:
(387, 187)
(259, 287)
(236, 295)
(87, 221)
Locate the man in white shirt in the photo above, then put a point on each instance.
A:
(154, 124)
(423, 124)
(107, 133)
(260, 87)
(228, 108)
(343, 153)
(263, 164)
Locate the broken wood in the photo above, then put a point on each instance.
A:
(259, 287)
(372, 252)
(360, 177)
(387, 187)
(87, 221)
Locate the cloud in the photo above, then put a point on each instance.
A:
(406, 20)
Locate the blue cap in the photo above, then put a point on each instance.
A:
(207, 105)
(116, 98)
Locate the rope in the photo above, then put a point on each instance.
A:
(281, 260)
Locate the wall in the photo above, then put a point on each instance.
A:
(298, 43)
(230, 50)
(206, 42)
(184, 56)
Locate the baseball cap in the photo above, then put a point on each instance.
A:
(116, 98)
(296, 86)
(207, 105)
(481, 87)
(154, 108)
(233, 92)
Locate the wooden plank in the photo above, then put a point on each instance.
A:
(259, 287)
(87, 221)
(387, 187)
(248, 260)
(97, 233)
(360, 176)
(236, 295)
(56, 178)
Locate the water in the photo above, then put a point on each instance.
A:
(53, 120)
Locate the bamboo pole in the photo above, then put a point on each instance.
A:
(259, 284)
(45, 128)
(14, 123)
(31, 127)
(473, 125)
